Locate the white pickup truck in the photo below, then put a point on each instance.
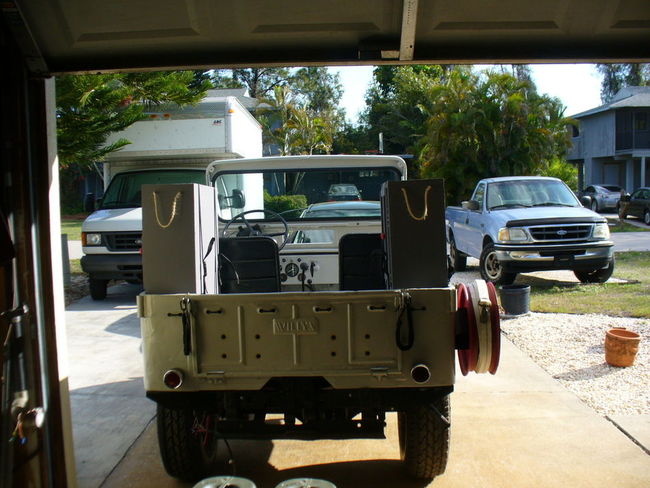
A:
(516, 224)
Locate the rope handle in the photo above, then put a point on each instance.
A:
(173, 214)
(425, 214)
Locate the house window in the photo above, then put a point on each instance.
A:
(575, 131)
(641, 121)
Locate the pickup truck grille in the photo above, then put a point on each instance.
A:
(123, 241)
(561, 232)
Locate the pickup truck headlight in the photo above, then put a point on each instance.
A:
(512, 234)
(601, 231)
(89, 239)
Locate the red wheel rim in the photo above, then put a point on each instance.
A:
(467, 358)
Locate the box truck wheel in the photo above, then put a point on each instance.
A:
(424, 438)
(97, 288)
(187, 442)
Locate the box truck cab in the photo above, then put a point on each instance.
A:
(172, 145)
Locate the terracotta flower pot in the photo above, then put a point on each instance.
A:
(621, 346)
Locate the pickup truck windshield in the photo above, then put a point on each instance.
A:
(298, 194)
(529, 193)
(124, 189)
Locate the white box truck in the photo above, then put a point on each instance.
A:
(173, 145)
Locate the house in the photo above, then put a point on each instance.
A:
(611, 144)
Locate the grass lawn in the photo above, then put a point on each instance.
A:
(616, 299)
(624, 226)
(75, 266)
(72, 227)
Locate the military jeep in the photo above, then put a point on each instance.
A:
(270, 312)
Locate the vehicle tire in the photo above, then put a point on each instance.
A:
(491, 269)
(187, 453)
(97, 288)
(458, 259)
(424, 439)
(596, 276)
(646, 217)
(594, 205)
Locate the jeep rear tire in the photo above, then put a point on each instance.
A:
(188, 444)
(97, 288)
(491, 269)
(424, 439)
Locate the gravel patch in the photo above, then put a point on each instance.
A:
(571, 348)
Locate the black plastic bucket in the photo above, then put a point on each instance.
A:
(515, 299)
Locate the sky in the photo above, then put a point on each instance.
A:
(576, 85)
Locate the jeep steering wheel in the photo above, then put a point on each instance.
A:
(252, 231)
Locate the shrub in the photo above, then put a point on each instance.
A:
(283, 203)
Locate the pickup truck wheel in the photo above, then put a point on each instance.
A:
(97, 288)
(491, 269)
(596, 276)
(188, 447)
(424, 438)
(458, 259)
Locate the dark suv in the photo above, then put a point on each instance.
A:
(637, 205)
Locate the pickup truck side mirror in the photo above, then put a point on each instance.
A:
(585, 201)
(470, 205)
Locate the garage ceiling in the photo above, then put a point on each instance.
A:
(101, 35)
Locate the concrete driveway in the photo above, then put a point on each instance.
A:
(108, 406)
(519, 428)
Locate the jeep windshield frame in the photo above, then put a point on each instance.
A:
(296, 193)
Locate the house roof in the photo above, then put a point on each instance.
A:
(628, 97)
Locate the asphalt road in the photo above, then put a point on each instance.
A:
(519, 428)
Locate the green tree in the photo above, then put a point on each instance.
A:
(393, 108)
(317, 88)
(617, 76)
(275, 118)
(294, 128)
(567, 172)
(490, 124)
(260, 82)
(299, 108)
(89, 108)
